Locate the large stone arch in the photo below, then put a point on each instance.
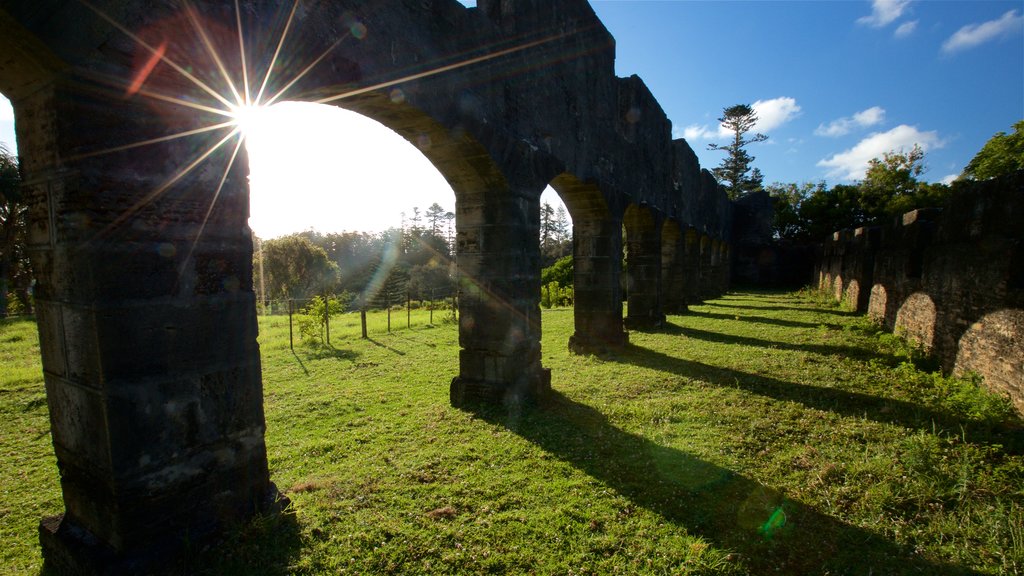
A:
(993, 348)
(597, 266)
(916, 320)
(143, 254)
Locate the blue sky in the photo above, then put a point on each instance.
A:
(835, 83)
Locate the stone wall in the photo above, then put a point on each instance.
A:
(950, 279)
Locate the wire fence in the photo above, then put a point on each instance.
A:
(312, 319)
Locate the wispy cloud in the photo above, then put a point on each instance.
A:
(770, 115)
(884, 12)
(853, 163)
(905, 29)
(695, 132)
(843, 126)
(976, 34)
(774, 113)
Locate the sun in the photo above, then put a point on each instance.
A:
(248, 118)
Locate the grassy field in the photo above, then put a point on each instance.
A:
(759, 434)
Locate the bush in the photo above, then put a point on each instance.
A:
(553, 294)
(313, 321)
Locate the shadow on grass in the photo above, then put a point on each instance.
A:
(822, 349)
(329, 351)
(832, 311)
(761, 320)
(842, 402)
(771, 533)
(385, 346)
(301, 363)
(268, 545)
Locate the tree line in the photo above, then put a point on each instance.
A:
(811, 211)
(375, 270)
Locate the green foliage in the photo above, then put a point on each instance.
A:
(560, 271)
(15, 307)
(555, 238)
(15, 269)
(812, 211)
(555, 295)
(293, 267)
(313, 319)
(734, 174)
(1003, 154)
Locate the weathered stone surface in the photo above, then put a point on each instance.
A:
(948, 279)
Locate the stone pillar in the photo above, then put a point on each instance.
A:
(643, 269)
(147, 329)
(706, 275)
(499, 298)
(691, 266)
(673, 288)
(597, 269)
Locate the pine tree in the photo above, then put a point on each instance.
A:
(733, 172)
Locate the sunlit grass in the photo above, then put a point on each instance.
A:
(761, 433)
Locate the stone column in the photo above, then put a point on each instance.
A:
(597, 270)
(499, 298)
(672, 269)
(706, 275)
(691, 266)
(643, 269)
(148, 333)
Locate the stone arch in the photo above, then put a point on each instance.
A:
(597, 266)
(852, 293)
(143, 257)
(916, 319)
(993, 347)
(878, 305)
(643, 267)
(672, 268)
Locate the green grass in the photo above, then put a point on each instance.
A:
(759, 434)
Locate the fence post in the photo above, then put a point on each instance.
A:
(291, 335)
(362, 318)
(431, 306)
(408, 310)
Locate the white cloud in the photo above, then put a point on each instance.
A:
(884, 12)
(975, 34)
(905, 29)
(695, 132)
(770, 115)
(843, 126)
(853, 163)
(949, 179)
(774, 113)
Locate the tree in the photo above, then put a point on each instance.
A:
(788, 222)
(435, 217)
(294, 267)
(15, 272)
(733, 172)
(890, 182)
(548, 243)
(1002, 154)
